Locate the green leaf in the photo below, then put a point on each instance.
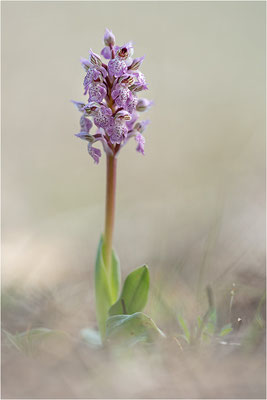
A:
(205, 337)
(13, 340)
(106, 286)
(209, 328)
(134, 293)
(102, 291)
(225, 330)
(199, 322)
(132, 329)
(31, 340)
(91, 337)
(213, 316)
(115, 278)
(184, 338)
(185, 328)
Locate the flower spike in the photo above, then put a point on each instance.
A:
(112, 104)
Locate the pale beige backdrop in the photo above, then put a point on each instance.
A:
(193, 208)
(200, 187)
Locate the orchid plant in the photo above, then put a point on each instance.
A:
(113, 107)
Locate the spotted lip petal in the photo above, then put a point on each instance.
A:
(94, 153)
(117, 67)
(140, 143)
(117, 132)
(97, 92)
(85, 124)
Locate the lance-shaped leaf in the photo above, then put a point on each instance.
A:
(115, 277)
(107, 284)
(134, 294)
(132, 329)
(184, 326)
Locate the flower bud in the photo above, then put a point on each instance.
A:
(109, 38)
(143, 105)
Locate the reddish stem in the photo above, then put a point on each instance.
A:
(112, 51)
(110, 208)
(110, 184)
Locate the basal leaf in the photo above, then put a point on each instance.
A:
(199, 322)
(134, 293)
(209, 328)
(213, 316)
(13, 340)
(31, 340)
(184, 327)
(106, 286)
(115, 278)
(102, 291)
(184, 337)
(225, 330)
(132, 329)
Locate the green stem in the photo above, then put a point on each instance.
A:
(110, 208)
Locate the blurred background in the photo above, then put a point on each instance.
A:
(193, 208)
